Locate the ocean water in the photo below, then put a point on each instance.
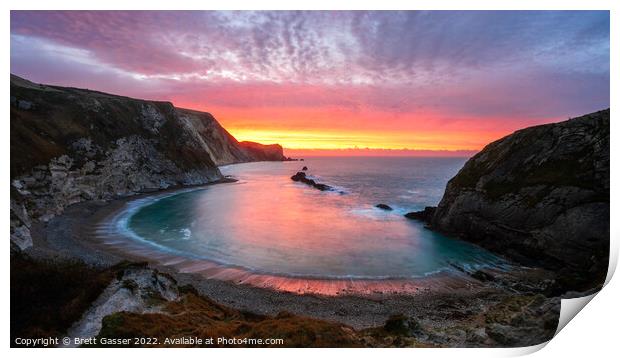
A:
(268, 224)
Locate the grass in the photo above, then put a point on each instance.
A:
(198, 316)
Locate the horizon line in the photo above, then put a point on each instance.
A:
(378, 149)
(378, 152)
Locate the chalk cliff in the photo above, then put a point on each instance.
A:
(70, 145)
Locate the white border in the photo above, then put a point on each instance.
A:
(594, 329)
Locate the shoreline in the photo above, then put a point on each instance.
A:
(102, 231)
(72, 233)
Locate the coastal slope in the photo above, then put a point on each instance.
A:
(539, 196)
(262, 152)
(70, 145)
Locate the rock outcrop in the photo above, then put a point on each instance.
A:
(302, 178)
(539, 196)
(70, 145)
(136, 289)
(263, 152)
(423, 215)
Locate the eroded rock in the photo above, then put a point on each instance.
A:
(425, 215)
(136, 289)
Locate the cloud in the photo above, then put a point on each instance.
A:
(397, 46)
(504, 68)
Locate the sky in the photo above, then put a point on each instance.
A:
(387, 82)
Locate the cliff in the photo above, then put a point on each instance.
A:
(539, 196)
(263, 152)
(70, 145)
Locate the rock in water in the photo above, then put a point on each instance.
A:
(322, 187)
(539, 196)
(304, 168)
(383, 207)
(301, 177)
(425, 215)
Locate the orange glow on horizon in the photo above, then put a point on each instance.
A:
(340, 140)
(341, 131)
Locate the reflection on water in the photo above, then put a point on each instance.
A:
(267, 223)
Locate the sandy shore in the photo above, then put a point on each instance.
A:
(71, 235)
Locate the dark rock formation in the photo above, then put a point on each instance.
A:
(304, 168)
(70, 145)
(384, 207)
(301, 177)
(425, 215)
(539, 196)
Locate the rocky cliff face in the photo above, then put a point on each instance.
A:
(70, 145)
(540, 196)
(223, 147)
(263, 152)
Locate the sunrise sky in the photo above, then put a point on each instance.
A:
(334, 80)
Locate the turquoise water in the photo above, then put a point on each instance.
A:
(267, 223)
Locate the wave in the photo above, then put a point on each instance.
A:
(119, 224)
(371, 211)
(187, 233)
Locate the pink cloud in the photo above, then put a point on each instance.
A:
(472, 72)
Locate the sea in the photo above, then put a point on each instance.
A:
(266, 223)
